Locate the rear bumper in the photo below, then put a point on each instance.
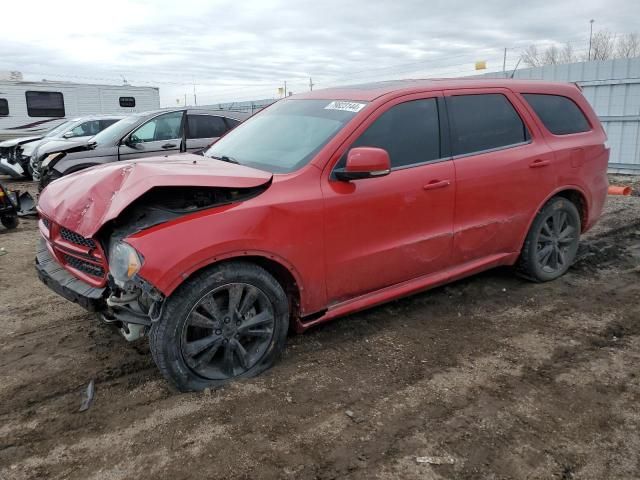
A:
(54, 276)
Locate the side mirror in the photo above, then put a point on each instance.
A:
(132, 141)
(67, 135)
(365, 162)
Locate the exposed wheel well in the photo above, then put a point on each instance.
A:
(577, 198)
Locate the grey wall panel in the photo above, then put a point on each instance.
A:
(612, 87)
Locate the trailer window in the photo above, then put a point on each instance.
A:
(127, 102)
(4, 107)
(45, 104)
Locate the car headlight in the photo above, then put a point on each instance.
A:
(50, 158)
(124, 262)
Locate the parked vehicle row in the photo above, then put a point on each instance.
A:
(159, 132)
(80, 143)
(17, 156)
(321, 205)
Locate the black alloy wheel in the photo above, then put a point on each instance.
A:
(228, 331)
(558, 233)
(227, 322)
(552, 242)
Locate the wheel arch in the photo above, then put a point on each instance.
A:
(574, 194)
(284, 273)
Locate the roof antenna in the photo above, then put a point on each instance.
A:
(514, 70)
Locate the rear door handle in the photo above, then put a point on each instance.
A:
(432, 185)
(169, 145)
(539, 163)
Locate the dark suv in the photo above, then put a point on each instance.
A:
(145, 134)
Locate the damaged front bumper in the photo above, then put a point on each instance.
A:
(134, 311)
(14, 170)
(58, 279)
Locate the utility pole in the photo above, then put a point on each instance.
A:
(310, 85)
(285, 89)
(185, 99)
(504, 63)
(590, 37)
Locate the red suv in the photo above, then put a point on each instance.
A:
(322, 205)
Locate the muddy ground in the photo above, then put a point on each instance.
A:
(499, 377)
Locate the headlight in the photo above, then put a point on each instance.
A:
(50, 158)
(124, 262)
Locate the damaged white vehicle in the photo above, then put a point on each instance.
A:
(17, 155)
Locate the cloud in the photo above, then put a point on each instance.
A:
(245, 49)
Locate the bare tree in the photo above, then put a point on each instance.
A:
(531, 58)
(551, 56)
(602, 45)
(628, 46)
(567, 54)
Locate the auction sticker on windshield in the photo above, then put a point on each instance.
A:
(345, 106)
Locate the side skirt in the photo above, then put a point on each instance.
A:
(409, 287)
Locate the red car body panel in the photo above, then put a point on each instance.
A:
(351, 245)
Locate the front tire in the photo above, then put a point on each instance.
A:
(228, 322)
(552, 242)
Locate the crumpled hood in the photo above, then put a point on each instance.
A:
(18, 141)
(63, 145)
(86, 200)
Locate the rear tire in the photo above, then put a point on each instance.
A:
(227, 322)
(552, 242)
(9, 221)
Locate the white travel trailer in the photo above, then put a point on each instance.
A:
(32, 108)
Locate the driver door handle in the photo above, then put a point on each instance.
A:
(169, 145)
(539, 163)
(432, 185)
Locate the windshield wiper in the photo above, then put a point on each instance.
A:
(225, 158)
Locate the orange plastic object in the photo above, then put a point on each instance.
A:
(619, 190)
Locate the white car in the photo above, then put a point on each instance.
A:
(16, 155)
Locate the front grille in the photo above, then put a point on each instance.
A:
(84, 257)
(73, 237)
(83, 266)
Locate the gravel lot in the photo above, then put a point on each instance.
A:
(498, 377)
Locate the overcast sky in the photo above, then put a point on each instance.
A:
(245, 49)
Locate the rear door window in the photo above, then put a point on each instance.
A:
(45, 104)
(484, 122)
(232, 123)
(205, 126)
(559, 114)
(409, 132)
(4, 107)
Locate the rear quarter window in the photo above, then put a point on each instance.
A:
(560, 115)
(4, 107)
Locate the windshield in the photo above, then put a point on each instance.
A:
(60, 129)
(113, 133)
(285, 136)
